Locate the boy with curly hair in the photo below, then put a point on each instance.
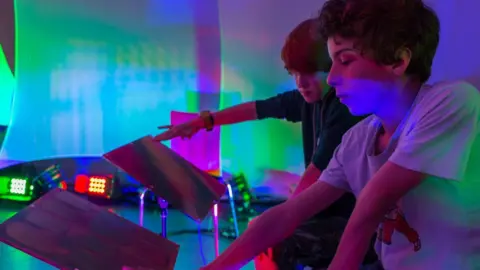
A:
(413, 164)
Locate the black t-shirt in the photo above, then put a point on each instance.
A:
(323, 125)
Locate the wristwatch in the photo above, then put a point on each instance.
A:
(207, 120)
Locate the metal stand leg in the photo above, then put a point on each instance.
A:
(232, 208)
(163, 204)
(163, 213)
(216, 230)
(143, 192)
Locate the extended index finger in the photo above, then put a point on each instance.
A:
(165, 127)
(167, 135)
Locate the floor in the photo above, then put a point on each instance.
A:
(191, 245)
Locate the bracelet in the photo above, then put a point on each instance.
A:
(207, 120)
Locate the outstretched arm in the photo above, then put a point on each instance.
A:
(235, 114)
(309, 177)
(276, 224)
(285, 106)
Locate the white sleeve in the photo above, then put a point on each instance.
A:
(440, 141)
(334, 174)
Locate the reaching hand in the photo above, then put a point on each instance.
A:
(185, 130)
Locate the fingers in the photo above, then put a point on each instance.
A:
(165, 127)
(182, 131)
(170, 134)
(165, 136)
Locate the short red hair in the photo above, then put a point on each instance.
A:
(304, 51)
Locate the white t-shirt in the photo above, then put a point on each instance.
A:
(436, 226)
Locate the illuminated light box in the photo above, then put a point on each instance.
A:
(19, 186)
(96, 186)
(16, 189)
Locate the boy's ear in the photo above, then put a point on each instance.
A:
(403, 57)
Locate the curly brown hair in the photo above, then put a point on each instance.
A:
(304, 52)
(382, 28)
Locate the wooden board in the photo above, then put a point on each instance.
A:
(169, 176)
(68, 232)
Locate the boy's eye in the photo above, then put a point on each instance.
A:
(345, 60)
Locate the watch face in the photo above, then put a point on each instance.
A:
(208, 119)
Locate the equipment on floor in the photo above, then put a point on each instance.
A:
(100, 186)
(170, 177)
(243, 198)
(92, 237)
(16, 182)
(16, 188)
(47, 180)
(22, 183)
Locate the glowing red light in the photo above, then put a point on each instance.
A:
(97, 185)
(94, 185)
(81, 183)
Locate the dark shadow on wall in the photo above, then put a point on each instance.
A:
(7, 42)
(7, 31)
(209, 54)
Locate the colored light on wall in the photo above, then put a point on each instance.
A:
(7, 86)
(182, 63)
